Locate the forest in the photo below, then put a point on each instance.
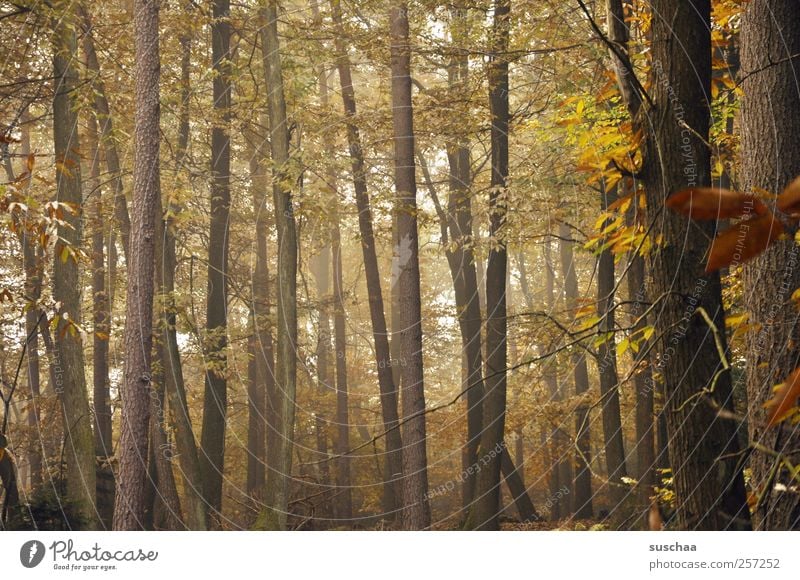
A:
(400, 265)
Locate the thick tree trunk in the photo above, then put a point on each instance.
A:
(215, 402)
(416, 513)
(279, 452)
(485, 511)
(771, 160)
(387, 386)
(607, 369)
(68, 362)
(132, 474)
(582, 502)
(703, 446)
(516, 486)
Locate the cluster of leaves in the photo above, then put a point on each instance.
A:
(757, 228)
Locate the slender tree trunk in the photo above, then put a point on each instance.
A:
(582, 503)
(68, 363)
(344, 483)
(485, 510)
(607, 369)
(185, 443)
(31, 264)
(215, 406)
(771, 160)
(106, 123)
(279, 453)
(703, 446)
(262, 362)
(132, 475)
(387, 386)
(416, 510)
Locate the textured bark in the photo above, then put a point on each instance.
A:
(129, 503)
(703, 447)
(770, 44)
(68, 362)
(486, 507)
(386, 384)
(416, 513)
(582, 503)
(607, 369)
(215, 401)
(279, 452)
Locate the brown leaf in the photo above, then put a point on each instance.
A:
(743, 241)
(708, 203)
(789, 200)
(784, 400)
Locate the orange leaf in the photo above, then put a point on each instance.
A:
(784, 400)
(708, 203)
(743, 241)
(789, 200)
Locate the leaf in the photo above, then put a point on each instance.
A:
(708, 203)
(743, 241)
(784, 401)
(623, 346)
(789, 199)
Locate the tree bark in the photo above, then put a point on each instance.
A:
(485, 511)
(386, 383)
(68, 363)
(703, 446)
(416, 509)
(215, 401)
(582, 503)
(770, 44)
(129, 503)
(279, 453)
(607, 369)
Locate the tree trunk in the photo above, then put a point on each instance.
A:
(703, 446)
(32, 265)
(68, 363)
(416, 510)
(516, 486)
(194, 508)
(485, 510)
(215, 401)
(582, 503)
(607, 369)
(771, 160)
(132, 474)
(279, 453)
(386, 384)
(107, 137)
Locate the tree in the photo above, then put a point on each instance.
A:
(68, 364)
(279, 453)
(770, 43)
(416, 510)
(386, 384)
(486, 508)
(703, 445)
(212, 438)
(129, 503)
